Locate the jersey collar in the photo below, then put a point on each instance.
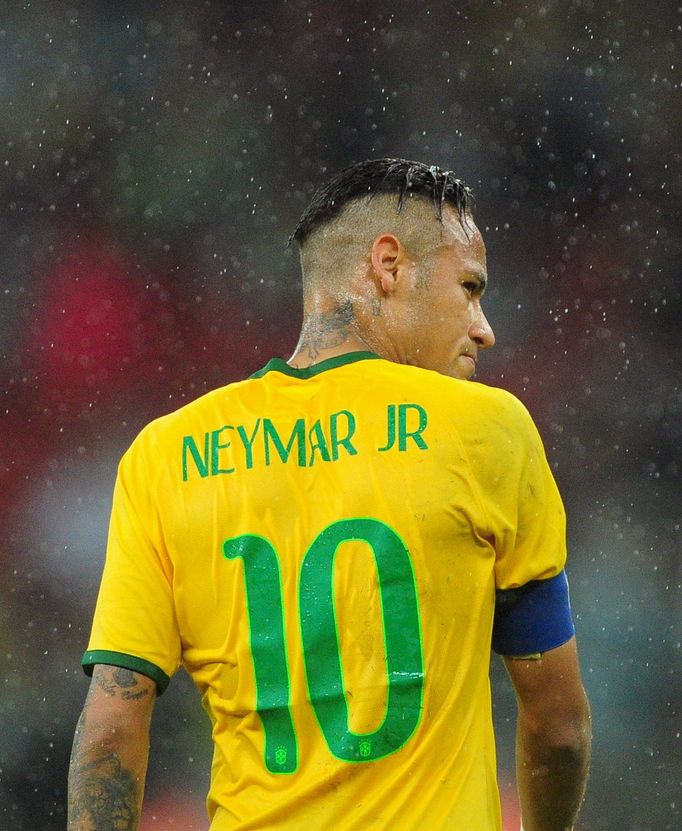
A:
(278, 365)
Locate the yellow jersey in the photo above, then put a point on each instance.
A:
(320, 549)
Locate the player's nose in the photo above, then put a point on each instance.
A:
(480, 331)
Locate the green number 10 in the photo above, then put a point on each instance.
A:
(324, 671)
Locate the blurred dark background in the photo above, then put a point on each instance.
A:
(154, 158)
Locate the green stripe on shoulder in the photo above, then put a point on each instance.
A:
(120, 659)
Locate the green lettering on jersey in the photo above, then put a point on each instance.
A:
(404, 434)
(200, 462)
(399, 431)
(216, 447)
(297, 436)
(390, 429)
(317, 441)
(321, 646)
(336, 439)
(248, 441)
(263, 585)
(402, 633)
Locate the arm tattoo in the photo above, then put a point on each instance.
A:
(103, 794)
(328, 329)
(120, 681)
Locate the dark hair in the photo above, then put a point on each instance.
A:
(398, 176)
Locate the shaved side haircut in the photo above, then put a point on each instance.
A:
(396, 196)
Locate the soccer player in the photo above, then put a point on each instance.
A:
(331, 547)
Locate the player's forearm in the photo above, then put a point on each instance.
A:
(551, 774)
(106, 778)
(110, 752)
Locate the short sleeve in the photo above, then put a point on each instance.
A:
(526, 516)
(537, 549)
(134, 624)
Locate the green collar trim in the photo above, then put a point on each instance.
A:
(278, 365)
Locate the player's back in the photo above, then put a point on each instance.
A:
(331, 556)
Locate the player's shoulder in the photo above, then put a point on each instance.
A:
(453, 392)
(500, 402)
(489, 417)
(157, 431)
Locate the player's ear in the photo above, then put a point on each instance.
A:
(387, 255)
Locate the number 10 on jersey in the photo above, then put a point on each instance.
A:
(320, 641)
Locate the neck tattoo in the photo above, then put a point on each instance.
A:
(326, 330)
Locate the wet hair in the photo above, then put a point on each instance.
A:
(399, 176)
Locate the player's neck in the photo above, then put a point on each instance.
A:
(327, 334)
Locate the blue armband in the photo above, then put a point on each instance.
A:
(533, 618)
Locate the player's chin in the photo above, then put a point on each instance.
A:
(463, 368)
(455, 372)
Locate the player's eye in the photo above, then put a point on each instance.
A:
(470, 286)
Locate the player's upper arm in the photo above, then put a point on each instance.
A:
(119, 702)
(550, 693)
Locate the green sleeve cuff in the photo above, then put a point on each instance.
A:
(120, 659)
